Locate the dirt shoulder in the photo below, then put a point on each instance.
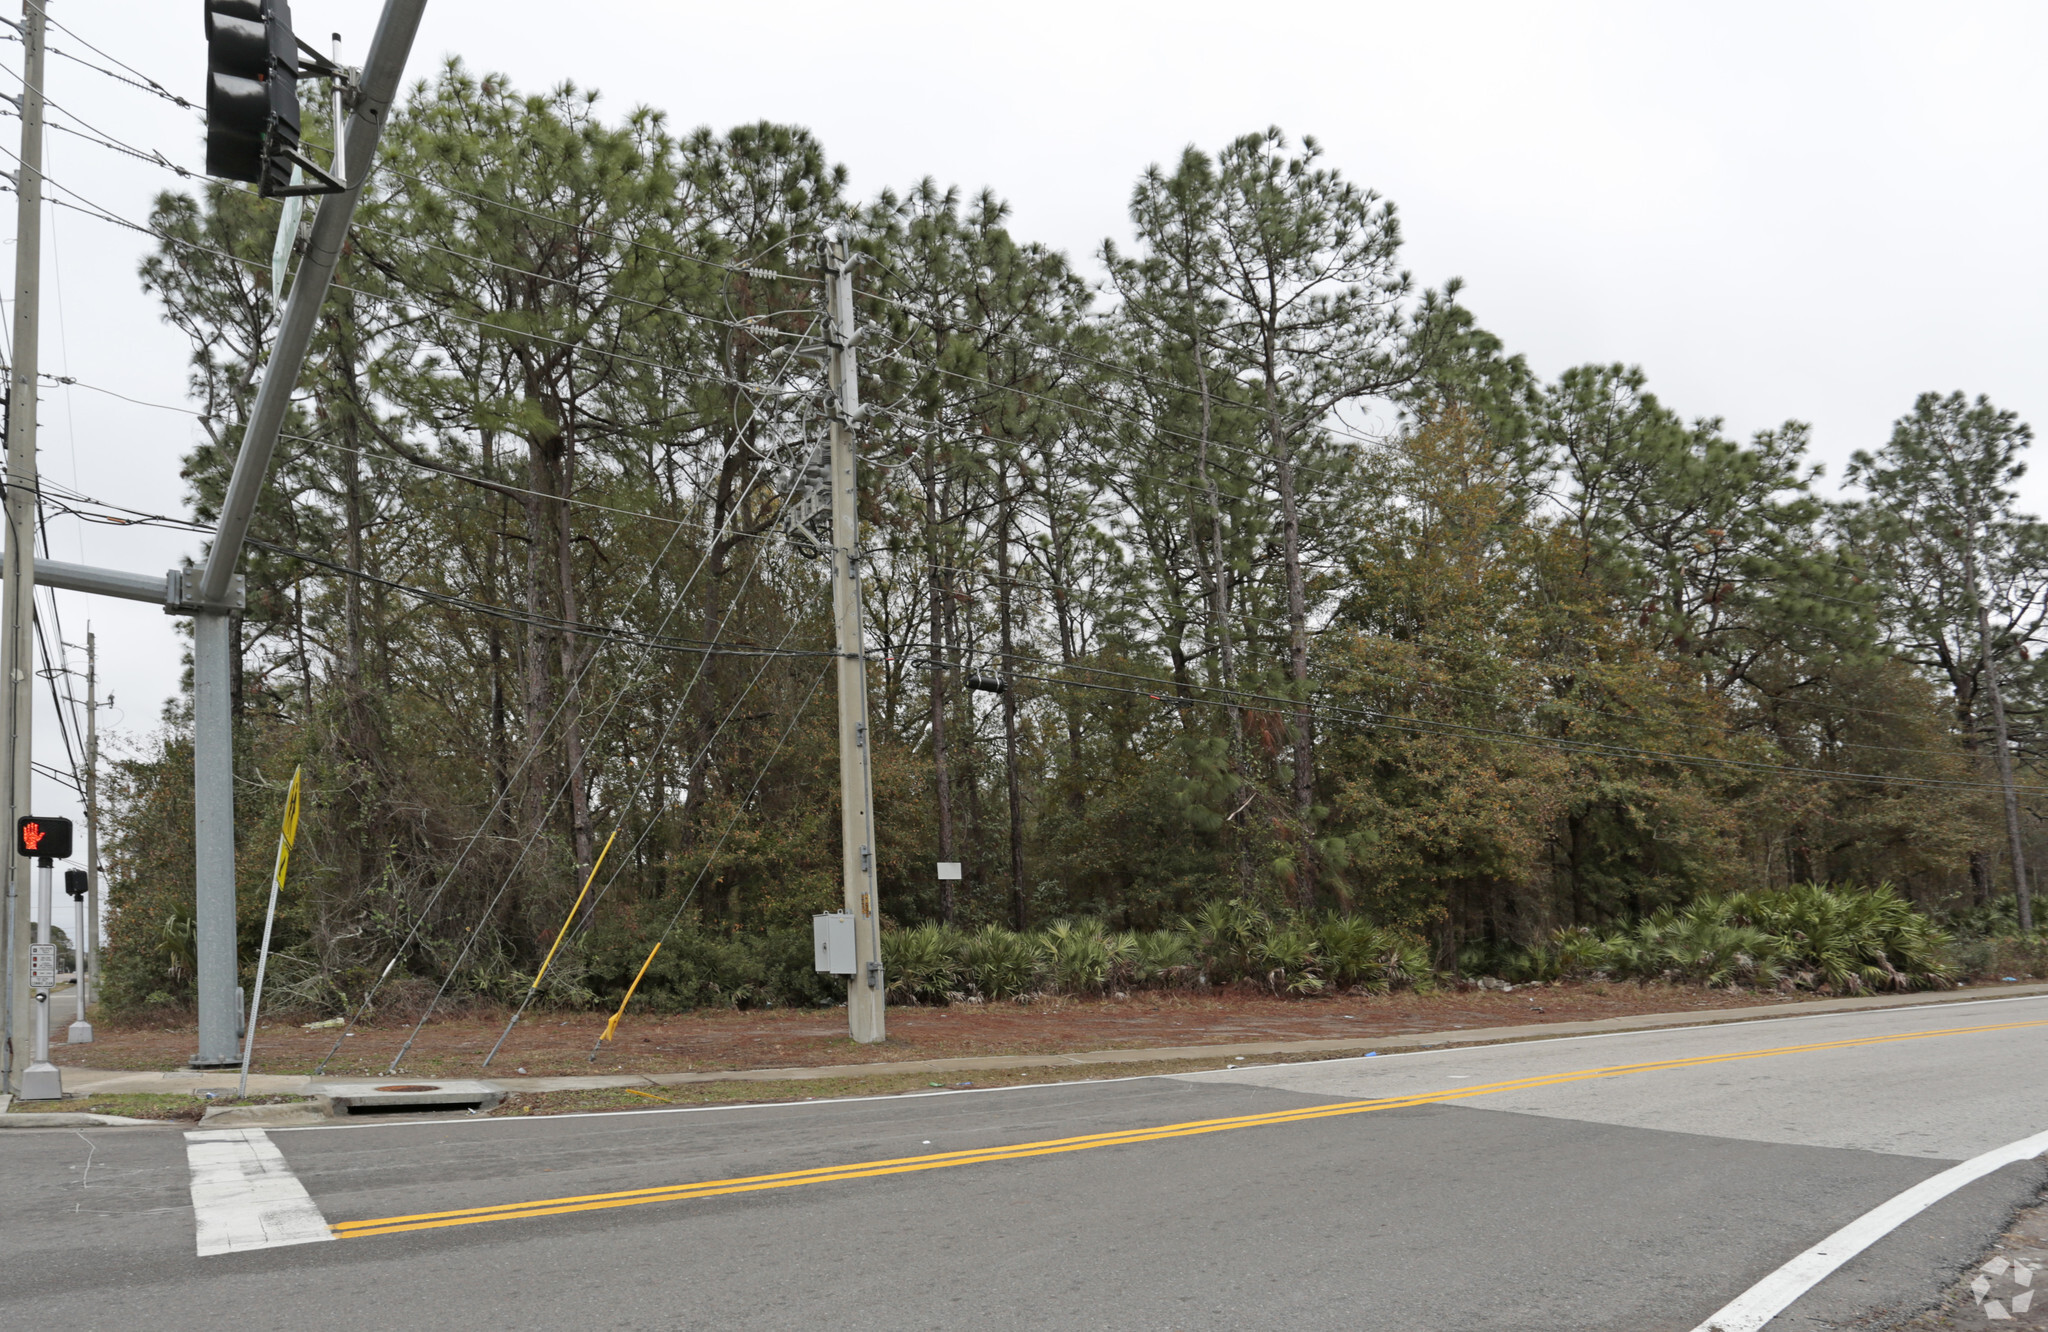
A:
(557, 1044)
(879, 1083)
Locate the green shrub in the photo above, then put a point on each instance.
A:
(922, 963)
(1808, 936)
(998, 963)
(1228, 937)
(1074, 956)
(1359, 954)
(1162, 957)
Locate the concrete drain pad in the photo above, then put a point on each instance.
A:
(407, 1098)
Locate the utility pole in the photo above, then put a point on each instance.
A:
(865, 988)
(17, 562)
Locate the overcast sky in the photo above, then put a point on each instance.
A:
(1778, 210)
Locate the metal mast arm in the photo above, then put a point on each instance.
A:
(381, 75)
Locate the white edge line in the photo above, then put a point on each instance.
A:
(1135, 1077)
(1751, 1310)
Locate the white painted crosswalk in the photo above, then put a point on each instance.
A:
(245, 1197)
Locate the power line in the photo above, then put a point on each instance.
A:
(571, 775)
(91, 209)
(147, 83)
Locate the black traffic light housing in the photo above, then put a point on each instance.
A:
(45, 839)
(252, 98)
(74, 884)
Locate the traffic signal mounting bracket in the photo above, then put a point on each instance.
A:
(314, 65)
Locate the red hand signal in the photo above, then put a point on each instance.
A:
(31, 836)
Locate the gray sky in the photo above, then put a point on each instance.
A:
(1809, 211)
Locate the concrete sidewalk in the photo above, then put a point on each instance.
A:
(104, 1082)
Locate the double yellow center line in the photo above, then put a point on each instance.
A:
(591, 1202)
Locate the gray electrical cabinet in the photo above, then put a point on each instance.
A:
(832, 943)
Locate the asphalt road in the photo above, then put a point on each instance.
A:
(1546, 1185)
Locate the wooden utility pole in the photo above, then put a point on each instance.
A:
(865, 988)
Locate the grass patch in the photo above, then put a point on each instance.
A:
(146, 1105)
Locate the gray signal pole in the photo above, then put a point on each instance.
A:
(214, 590)
(17, 562)
(865, 988)
(89, 949)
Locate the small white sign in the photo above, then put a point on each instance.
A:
(42, 966)
(949, 869)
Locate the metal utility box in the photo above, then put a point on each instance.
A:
(832, 943)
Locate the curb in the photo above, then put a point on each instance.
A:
(1436, 1040)
(77, 1119)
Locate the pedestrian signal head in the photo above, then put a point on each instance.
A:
(43, 838)
(74, 883)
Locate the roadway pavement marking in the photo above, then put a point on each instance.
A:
(391, 1225)
(1768, 1298)
(245, 1197)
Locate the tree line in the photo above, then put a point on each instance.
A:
(1246, 571)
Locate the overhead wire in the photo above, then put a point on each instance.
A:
(626, 807)
(91, 209)
(569, 692)
(718, 846)
(571, 776)
(147, 83)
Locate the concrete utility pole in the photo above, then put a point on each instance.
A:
(17, 563)
(865, 988)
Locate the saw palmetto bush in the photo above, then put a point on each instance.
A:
(1849, 939)
(1698, 944)
(1162, 958)
(1228, 943)
(1075, 956)
(1357, 953)
(997, 963)
(1808, 936)
(1229, 939)
(923, 963)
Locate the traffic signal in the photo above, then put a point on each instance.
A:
(252, 97)
(74, 884)
(45, 839)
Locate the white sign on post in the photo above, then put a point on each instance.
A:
(42, 966)
(949, 869)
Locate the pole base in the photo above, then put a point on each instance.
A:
(199, 1065)
(80, 1033)
(41, 1082)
